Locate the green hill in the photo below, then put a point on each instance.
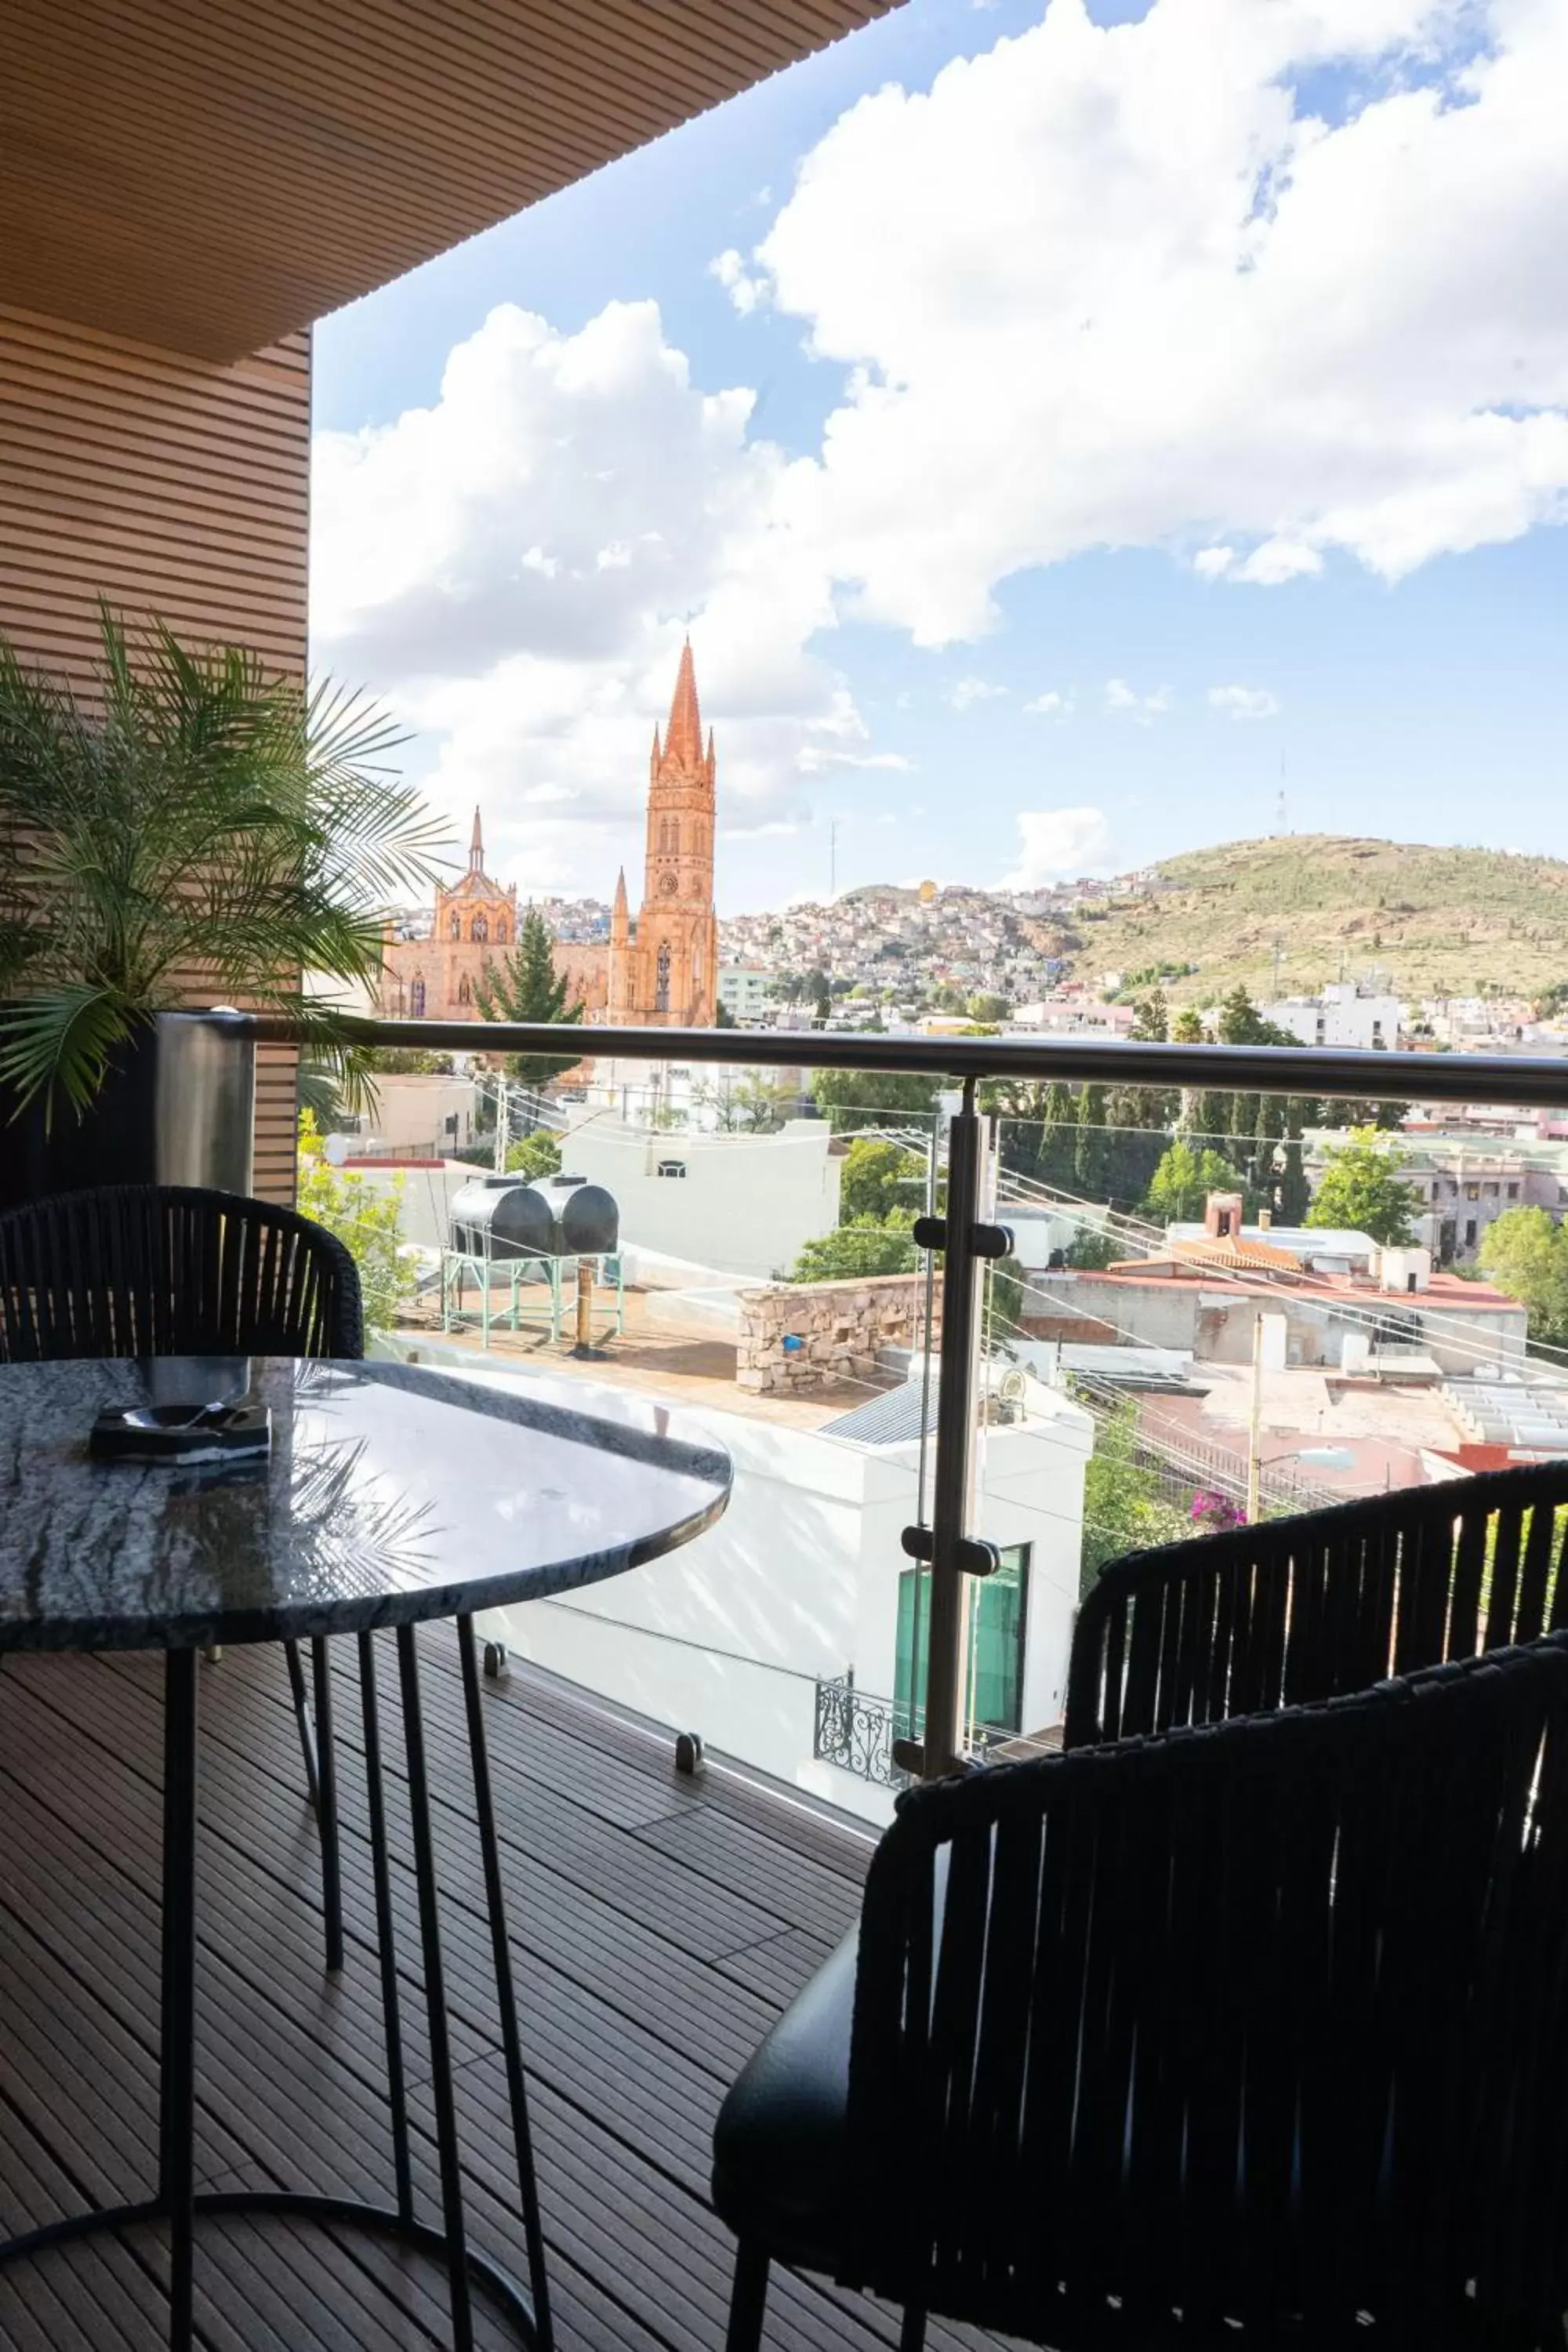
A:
(1432, 922)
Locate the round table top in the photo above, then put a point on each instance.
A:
(390, 1494)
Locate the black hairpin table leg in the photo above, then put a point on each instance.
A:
(177, 2202)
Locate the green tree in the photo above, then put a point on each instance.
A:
(857, 1098)
(1186, 1029)
(538, 1154)
(985, 1005)
(410, 1061)
(852, 1252)
(1184, 1179)
(366, 1219)
(1360, 1189)
(526, 987)
(723, 1016)
(1092, 1251)
(1123, 1507)
(1527, 1256)
(945, 998)
(877, 1179)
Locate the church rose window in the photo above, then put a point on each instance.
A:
(667, 886)
(480, 929)
(662, 990)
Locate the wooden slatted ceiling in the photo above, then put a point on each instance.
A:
(173, 486)
(209, 174)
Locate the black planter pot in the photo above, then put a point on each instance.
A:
(178, 1107)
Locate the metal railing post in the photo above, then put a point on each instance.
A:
(947, 1545)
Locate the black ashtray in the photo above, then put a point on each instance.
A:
(181, 1433)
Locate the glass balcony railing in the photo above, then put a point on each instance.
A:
(1070, 1300)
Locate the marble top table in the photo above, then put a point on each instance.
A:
(390, 1495)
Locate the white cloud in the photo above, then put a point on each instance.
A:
(1050, 705)
(963, 691)
(1122, 702)
(814, 757)
(745, 291)
(1116, 286)
(513, 566)
(1056, 842)
(1244, 701)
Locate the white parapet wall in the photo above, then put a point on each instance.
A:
(741, 1205)
(799, 1582)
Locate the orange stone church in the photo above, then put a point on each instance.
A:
(660, 973)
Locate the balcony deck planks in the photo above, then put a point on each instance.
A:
(658, 1924)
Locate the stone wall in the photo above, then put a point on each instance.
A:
(839, 1325)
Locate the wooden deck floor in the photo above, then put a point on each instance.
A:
(658, 1925)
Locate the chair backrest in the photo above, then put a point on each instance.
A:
(1328, 1601)
(146, 1270)
(1250, 2034)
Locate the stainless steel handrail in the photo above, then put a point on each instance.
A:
(1532, 1081)
(1536, 1081)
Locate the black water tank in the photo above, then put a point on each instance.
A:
(555, 1216)
(589, 1219)
(507, 1216)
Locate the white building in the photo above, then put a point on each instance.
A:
(804, 1583)
(1343, 1014)
(743, 993)
(740, 1204)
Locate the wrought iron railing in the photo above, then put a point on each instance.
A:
(966, 1239)
(856, 1732)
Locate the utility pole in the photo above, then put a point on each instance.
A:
(1255, 1422)
(503, 1123)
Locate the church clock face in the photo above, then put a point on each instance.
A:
(667, 886)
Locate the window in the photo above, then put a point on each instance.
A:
(416, 996)
(670, 1167)
(465, 991)
(454, 925)
(1469, 1233)
(1513, 1191)
(500, 931)
(480, 929)
(998, 1612)
(1491, 1190)
(662, 982)
(1472, 1191)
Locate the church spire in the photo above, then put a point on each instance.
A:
(477, 847)
(620, 913)
(683, 735)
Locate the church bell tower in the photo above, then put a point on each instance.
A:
(669, 976)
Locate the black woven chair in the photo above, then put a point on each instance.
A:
(170, 1270)
(1254, 2034)
(1306, 1608)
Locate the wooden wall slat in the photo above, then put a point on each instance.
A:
(174, 487)
(209, 173)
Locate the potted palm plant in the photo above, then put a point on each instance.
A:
(192, 829)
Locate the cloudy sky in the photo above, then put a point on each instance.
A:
(1060, 426)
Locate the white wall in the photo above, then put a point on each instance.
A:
(746, 1204)
(799, 1579)
(414, 1110)
(1338, 1017)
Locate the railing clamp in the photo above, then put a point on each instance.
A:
(970, 1555)
(984, 1240)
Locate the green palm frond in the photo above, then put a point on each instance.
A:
(196, 814)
